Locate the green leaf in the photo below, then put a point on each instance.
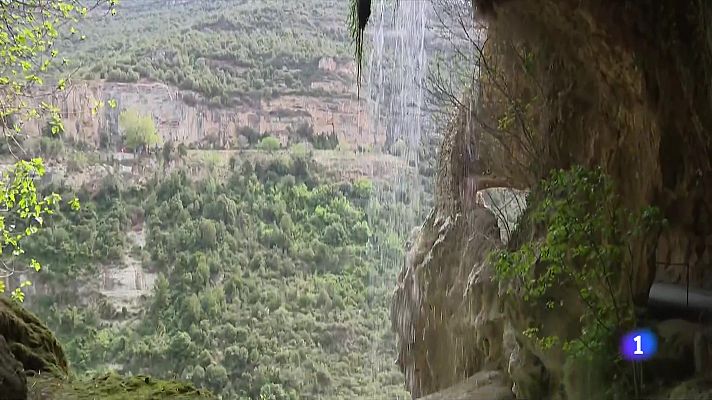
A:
(74, 204)
(18, 295)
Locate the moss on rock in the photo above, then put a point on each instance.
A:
(30, 341)
(37, 349)
(113, 387)
(13, 383)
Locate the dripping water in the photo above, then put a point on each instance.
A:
(404, 37)
(397, 63)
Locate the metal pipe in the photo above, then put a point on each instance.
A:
(687, 280)
(668, 296)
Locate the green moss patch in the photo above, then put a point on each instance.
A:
(113, 387)
(30, 341)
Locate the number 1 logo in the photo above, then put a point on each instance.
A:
(638, 345)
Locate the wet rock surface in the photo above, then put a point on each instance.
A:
(604, 71)
(446, 308)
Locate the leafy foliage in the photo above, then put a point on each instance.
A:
(269, 284)
(227, 51)
(28, 38)
(585, 249)
(139, 131)
(23, 214)
(269, 143)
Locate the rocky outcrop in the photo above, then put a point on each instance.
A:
(446, 309)
(486, 385)
(31, 343)
(33, 366)
(612, 84)
(13, 383)
(26, 345)
(114, 387)
(180, 117)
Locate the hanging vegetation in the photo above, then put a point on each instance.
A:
(360, 13)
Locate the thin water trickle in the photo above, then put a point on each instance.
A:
(405, 38)
(397, 65)
(397, 70)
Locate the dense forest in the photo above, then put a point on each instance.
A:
(211, 48)
(273, 282)
(258, 273)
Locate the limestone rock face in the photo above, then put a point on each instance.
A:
(446, 309)
(612, 84)
(182, 121)
(13, 383)
(485, 385)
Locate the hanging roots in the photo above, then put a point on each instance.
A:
(360, 13)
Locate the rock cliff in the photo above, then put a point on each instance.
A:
(624, 86)
(183, 117)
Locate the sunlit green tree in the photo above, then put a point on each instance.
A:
(139, 130)
(269, 143)
(28, 34)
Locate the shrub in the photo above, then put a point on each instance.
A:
(51, 148)
(585, 250)
(269, 143)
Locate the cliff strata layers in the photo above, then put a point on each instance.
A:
(624, 86)
(181, 116)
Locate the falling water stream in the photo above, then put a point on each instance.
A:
(397, 61)
(407, 36)
(397, 67)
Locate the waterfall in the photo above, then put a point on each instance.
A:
(397, 66)
(396, 70)
(406, 37)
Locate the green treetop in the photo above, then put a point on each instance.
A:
(139, 131)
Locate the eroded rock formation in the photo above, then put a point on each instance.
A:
(621, 85)
(180, 117)
(33, 366)
(26, 345)
(13, 383)
(445, 308)
(30, 341)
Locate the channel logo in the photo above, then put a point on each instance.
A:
(638, 345)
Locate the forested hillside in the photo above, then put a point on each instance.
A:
(254, 263)
(269, 282)
(224, 49)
